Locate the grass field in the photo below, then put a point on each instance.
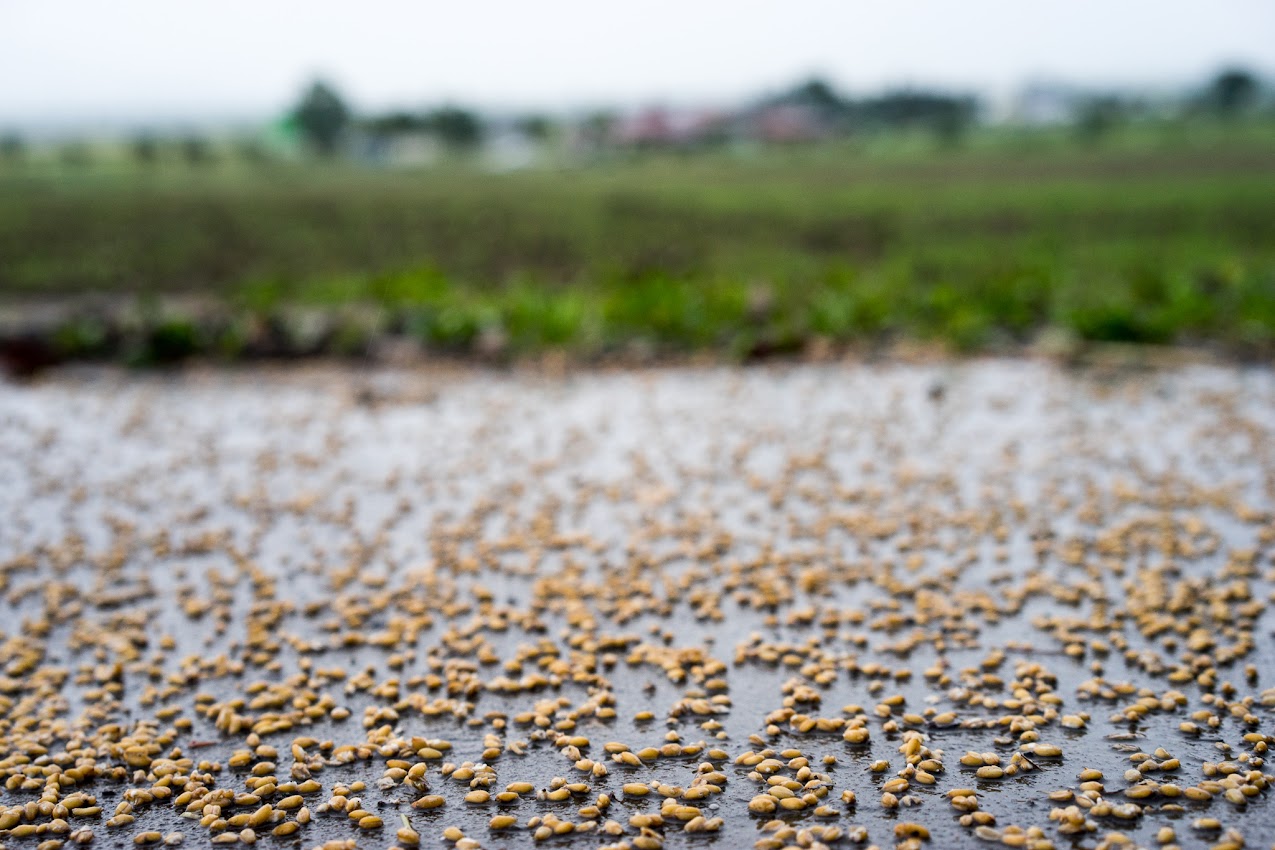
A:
(1149, 239)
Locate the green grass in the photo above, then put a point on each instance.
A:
(1162, 235)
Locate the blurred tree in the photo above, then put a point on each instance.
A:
(196, 151)
(596, 127)
(12, 149)
(948, 115)
(1097, 116)
(538, 127)
(322, 116)
(952, 120)
(817, 94)
(145, 150)
(1232, 91)
(817, 98)
(396, 122)
(458, 128)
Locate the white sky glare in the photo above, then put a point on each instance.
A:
(63, 60)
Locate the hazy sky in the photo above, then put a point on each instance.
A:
(140, 59)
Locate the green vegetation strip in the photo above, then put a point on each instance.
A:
(1161, 242)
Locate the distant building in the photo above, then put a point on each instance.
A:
(507, 148)
(650, 127)
(407, 149)
(785, 123)
(1045, 104)
(661, 127)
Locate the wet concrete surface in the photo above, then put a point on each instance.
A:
(441, 552)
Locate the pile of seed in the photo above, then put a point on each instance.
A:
(822, 606)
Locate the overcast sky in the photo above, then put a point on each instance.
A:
(136, 60)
